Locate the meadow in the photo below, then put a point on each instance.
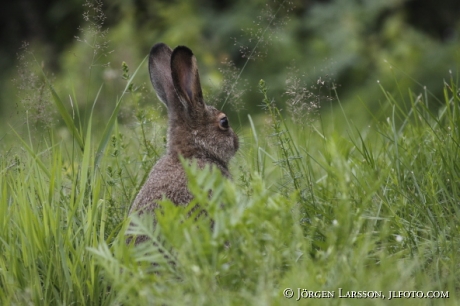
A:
(326, 208)
(332, 203)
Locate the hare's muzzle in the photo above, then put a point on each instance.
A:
(236, 143)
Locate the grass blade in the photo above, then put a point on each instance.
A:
(110, 124)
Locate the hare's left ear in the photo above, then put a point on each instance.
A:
(160, 73)
(186, 80)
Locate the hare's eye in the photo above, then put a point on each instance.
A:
(223, 123)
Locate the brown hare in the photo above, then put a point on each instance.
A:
(196, 131)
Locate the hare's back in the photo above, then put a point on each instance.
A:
(166, 179)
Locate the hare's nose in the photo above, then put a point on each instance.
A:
(236, 143)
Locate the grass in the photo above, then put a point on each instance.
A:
(328, 207)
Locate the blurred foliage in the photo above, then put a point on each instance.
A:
(358, 204)
(330, 45)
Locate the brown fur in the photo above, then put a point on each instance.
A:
(194, 130)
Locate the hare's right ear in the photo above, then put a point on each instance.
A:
(160, 72)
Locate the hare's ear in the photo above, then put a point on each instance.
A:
(160, 72)
(186, 80)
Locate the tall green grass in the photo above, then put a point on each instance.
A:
(329, 206)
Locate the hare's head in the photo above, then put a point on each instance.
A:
(196, 130)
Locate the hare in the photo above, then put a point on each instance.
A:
(196, 131)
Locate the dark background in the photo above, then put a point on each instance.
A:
(349, 43)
